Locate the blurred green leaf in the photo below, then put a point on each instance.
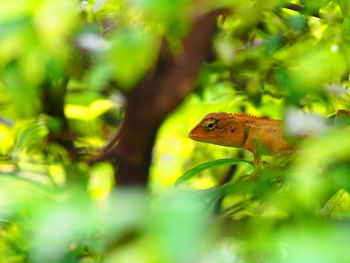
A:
(297, 23)
(132, 53)
(32, 136)
(192, 172)
(344, 6)
(94, 110)
(313, 6)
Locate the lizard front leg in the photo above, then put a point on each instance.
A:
(257, 165)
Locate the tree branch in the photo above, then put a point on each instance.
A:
(160, 92)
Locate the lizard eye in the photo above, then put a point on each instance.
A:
(209, 124)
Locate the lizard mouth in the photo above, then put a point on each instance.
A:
(193, 137)
(198, 135)
(201, 137)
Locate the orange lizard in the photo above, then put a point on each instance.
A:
(257, 135)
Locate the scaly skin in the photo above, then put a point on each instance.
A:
(242, 131)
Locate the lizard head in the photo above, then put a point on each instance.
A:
(219, 128)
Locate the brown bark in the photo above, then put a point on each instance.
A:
(160, 92)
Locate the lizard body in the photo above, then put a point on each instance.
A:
(241, 131)
(245, 131)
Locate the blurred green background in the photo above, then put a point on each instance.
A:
(65, 69)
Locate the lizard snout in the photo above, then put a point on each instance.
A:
(194, 135)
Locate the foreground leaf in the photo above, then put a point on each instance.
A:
(192, 172)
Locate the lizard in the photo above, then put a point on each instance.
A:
(240, 130)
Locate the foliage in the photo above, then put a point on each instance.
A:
(66, 69)
(192, 172)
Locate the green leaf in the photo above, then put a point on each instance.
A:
(192, 172)
(32, 136)
(344, 6)
(312, 6)
(133, 53)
